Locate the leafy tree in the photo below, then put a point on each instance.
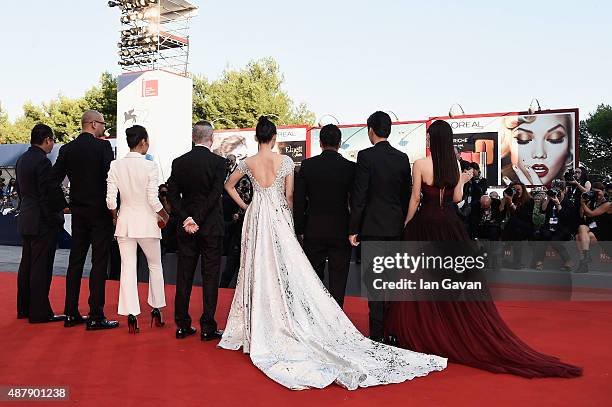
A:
(103, 98)
(596, 140)
(239, 97)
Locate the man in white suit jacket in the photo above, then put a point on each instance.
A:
(136, 179)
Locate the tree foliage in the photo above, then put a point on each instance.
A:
(596, 140)
(239, 97)
(236, 100)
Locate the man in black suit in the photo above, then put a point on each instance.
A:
(86, 160)
(194, 190)
(321, 210)
(379, 202)
(39, 226)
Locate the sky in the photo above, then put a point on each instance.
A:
(345, 58)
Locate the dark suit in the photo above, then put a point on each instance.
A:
(321, 212)
(39, 226)
(86, 161)
(194, 190)
(379, 204)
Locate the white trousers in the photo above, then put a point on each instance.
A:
(128, 290)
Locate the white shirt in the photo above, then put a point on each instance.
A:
(136, 179)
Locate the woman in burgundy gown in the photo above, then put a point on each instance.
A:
(470, 332)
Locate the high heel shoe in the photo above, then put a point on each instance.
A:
(156, 316)
(133, 324)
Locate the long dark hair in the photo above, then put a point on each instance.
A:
(446, 172)
(525, 195)
(265, 130)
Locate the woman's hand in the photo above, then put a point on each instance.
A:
(527, 175)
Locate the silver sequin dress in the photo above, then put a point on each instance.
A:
(286, 320)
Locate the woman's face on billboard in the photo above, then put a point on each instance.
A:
(542, 146)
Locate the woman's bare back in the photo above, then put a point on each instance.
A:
(265, 167)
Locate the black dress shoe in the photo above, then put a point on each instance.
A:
(93, 325)
(182, 333)
(209, 336)
(52, 318)
(71, 320)
(22, 316)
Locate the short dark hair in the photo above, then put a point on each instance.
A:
(475, 166)
(135, 134)
(330, 136)
(465, 165)
(380, 123)
(598, 185)
(39, 133)
(265, 130)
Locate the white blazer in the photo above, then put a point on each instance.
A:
(136, 179)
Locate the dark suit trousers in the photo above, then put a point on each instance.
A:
(189, 250)
(338, 253)
(34, 276)
(232, 261)
(377, 308)
(86, 231)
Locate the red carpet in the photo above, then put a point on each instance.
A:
(152, 368)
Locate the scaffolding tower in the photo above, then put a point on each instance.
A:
(154, 34)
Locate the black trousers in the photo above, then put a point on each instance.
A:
(556, 239)
(377, 309)
(338, 253)
(190, 248)
(96, 232)
(34, 275)
(232, 261)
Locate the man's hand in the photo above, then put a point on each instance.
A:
(190, 226)
(353, 240)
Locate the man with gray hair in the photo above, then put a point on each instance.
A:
(194, 190)
(86, 161)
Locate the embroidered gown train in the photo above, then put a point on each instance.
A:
(286, 320)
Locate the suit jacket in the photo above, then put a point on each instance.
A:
(379, 202)
(136, 179)
(36, 216)
(321, 196)
(195, 188)
(85, 160)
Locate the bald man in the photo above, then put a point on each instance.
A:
(86, 161)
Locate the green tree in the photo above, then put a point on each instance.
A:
(14, 133)
(103, 98)
(596, 140)
(239, 97)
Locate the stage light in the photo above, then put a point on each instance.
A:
(453, 111)
(533, 109)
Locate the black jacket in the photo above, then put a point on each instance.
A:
(36, 216)
(85, 160)
(381, 192)
(321, 196)
(195, 188)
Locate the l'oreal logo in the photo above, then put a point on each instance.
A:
(466, 125)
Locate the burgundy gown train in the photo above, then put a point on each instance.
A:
(471, 332)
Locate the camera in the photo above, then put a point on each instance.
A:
(569, 175)
(509, 192)
(553, 193)
(590, 196)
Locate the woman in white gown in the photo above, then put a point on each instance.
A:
(281, 314)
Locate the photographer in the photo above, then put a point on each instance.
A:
(236, 218)
(479, 184)
(559, 224)
(577, 184)
(464, 207)
(596, 209)
(517, 206)
(486, 219)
